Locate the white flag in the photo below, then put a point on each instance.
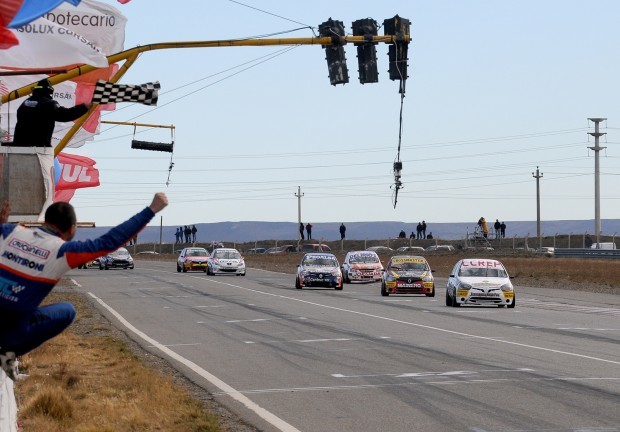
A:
(44, 44)
(100, 23)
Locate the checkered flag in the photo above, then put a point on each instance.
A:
(107, 92)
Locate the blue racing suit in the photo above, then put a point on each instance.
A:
(32, 261)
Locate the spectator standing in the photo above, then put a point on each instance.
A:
(194, 231)
(402, 234)
(482, 223)
(176, 236)
(37, 116)
(418, 230)
(301, 230)
(412, 235)
(188, 232)
(424, 229)
(343, 231)
(498, 228)
(29, 277)
(309, 230)
(503, 228)
(588, 241)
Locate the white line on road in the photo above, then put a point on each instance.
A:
(225, 388)
(424, 374)
(454, 332)
(417, 382)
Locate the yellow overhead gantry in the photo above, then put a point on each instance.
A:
(131, 55)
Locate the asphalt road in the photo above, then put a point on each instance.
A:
(352, 360)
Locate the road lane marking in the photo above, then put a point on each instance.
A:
(224, 387)
(265, 319)
(417, 382)
(425, 374)
(453, 332)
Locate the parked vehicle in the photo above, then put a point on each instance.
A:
(120, 258)
(281, 250)
(546, 251)
(405, 274)
(437, 248)
(380, 249)
(319, 269)
(256, 251)
(314, 248)
(225, 261)
(361, 266)
(480, 282)
(416, 249)
(608, 245)
(192, 258)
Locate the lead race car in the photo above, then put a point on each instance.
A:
(319, 269)
(406, 274)
(480, 282)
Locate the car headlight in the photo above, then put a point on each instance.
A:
(507, 287)
(464, 286)
(305, 273)
(428, 278)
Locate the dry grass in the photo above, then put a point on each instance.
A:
(94, 383)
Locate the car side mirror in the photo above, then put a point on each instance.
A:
(432, 271)
(451, 275)
(512, 277)
(298, 265)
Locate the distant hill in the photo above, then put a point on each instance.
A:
(247, 231)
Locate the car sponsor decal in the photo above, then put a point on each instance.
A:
(509, 295)
(462, 293)
(481, 263)
(403, 260)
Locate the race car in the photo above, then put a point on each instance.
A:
(225, 261)
(361, 266)
(319, 269)
(480, 282)
(192, 258)
(406, 274)
(90, 264)
(120, 258)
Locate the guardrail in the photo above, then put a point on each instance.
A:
(587, 253)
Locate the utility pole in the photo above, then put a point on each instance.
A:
(299, 195)
(597, 177)
(538, 175)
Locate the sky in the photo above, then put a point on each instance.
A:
(495, 90)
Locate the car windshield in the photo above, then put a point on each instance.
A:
(196, 252)
(320, 262)
(227, 255)
(363, 258)
(483, 272)
(408, 265)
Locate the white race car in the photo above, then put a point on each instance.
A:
(361, 266)
(480, 282)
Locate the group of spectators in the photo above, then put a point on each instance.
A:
(499, 227)
(186, 232)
